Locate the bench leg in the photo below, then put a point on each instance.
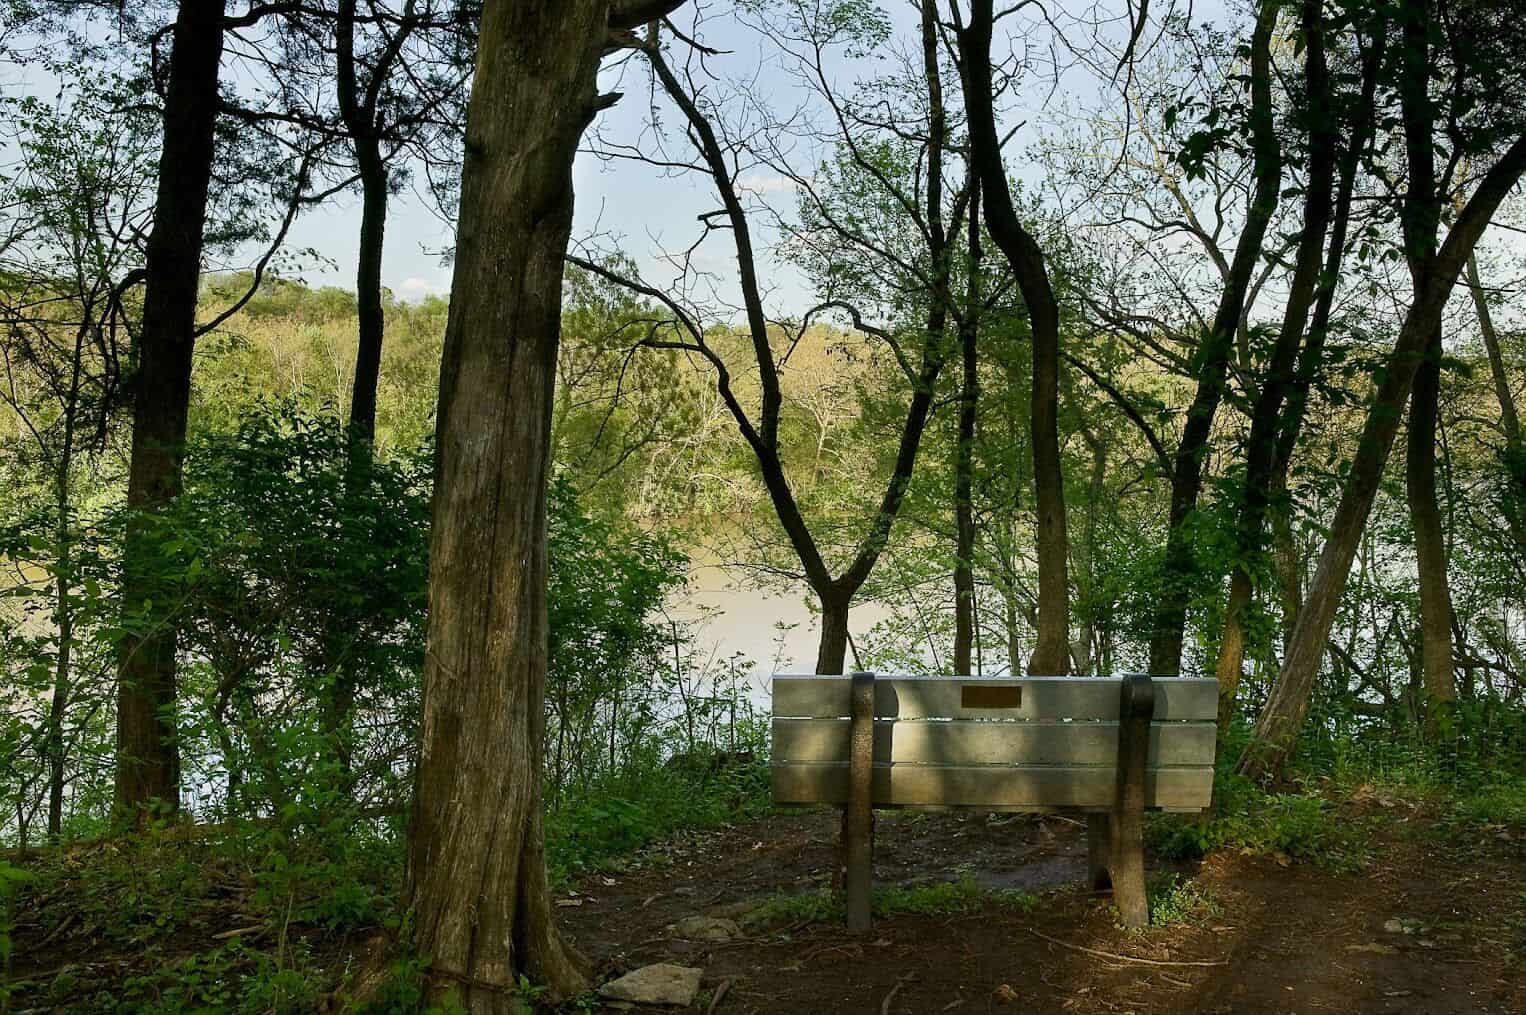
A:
(1099, 848)
(1127, 869)
(1125, 838)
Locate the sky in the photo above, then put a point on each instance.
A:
(631, 205)
(635, 206)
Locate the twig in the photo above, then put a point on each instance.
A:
(250, 931)
(1124, 958)
(885, 1004)
(720, 992)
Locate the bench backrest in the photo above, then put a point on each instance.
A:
(1021, 744)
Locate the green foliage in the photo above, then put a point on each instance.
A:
(1175, 901)
(1283, 826)
(637, 807)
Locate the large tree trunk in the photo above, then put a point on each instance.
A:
(476, 863)
(1211, 361)
(1051, 654)
(1266, 414)
(148, 758)
(1277, 727)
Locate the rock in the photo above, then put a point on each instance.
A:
(1393, 927)
(663, 983)
(1004, 994)
(706, 928)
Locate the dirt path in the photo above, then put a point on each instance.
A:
(1281, 939)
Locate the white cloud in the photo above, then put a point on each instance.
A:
(416, 288)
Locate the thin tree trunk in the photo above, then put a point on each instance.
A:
(1277, 727)
(1510, 420)
(148, 757)
(1421, 221)
(964, 457)
(1051, 654)
(1261, 450)
(359, 117)
(1211, 361)
(476, 862)
(1430, 543)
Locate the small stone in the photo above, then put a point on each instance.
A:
(706, 928)
(1393, 926)
(685, 890)
(662, 983)
(1004, 994)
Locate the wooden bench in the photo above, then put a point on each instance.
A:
(1107, 746)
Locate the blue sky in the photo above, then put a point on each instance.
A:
(632, 204)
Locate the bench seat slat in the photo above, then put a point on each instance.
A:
(1013, 787)
(1176, 698)
(991, 743)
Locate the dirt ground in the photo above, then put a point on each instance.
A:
(1283, 939)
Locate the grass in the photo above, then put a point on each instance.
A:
(925, 898)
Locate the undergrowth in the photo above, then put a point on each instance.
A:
(1284, 826)
(927, 898)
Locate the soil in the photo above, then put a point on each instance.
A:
(1282, 937)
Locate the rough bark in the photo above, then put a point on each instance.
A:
(1211, 360)
(1051, 654)
(1277, 727)
(1261, 446)
(148, 758)
(476, 863)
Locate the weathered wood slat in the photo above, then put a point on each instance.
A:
(1017, 787)
(991, 743)
(1038, 697)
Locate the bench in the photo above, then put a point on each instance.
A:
(1110, 747)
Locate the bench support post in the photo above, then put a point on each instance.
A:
(1115, 840)
(858, 816)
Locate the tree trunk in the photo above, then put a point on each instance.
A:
(1430, 543)
(1266, 414)
(476, 865)
(148, 757)
(1211, 361)
(964, 464)
(360, 123)
(1277, 727)
(1510, 421)
(1420, 220)
(1051, 654)
(832, 652)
